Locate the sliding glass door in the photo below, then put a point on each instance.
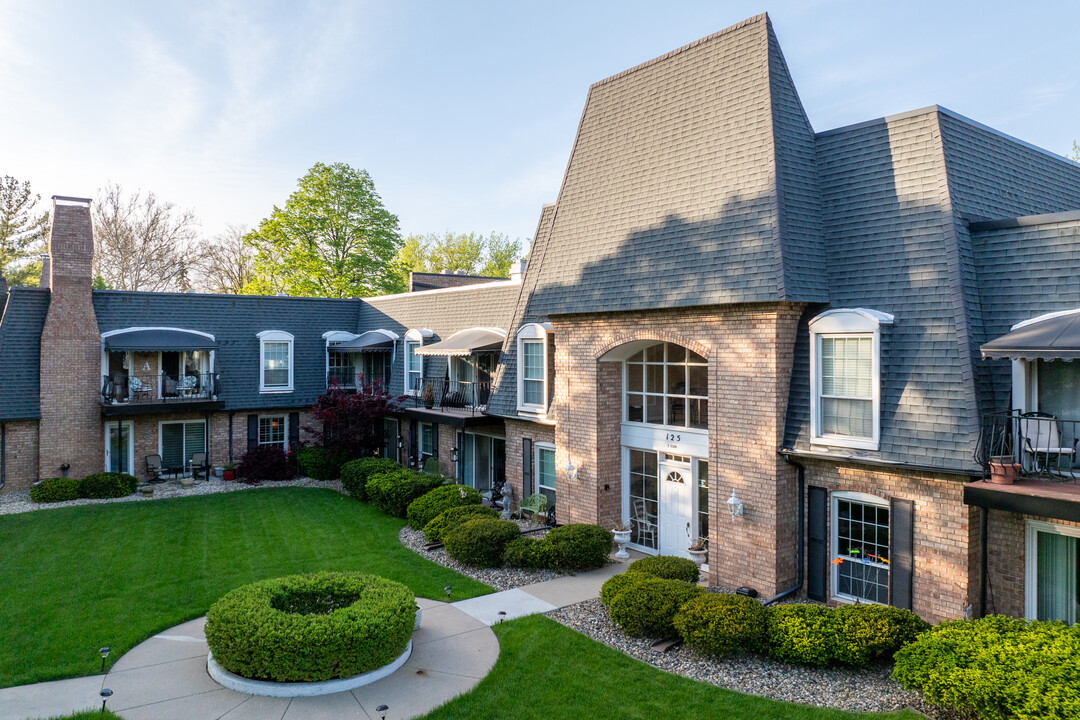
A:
(1053, 572)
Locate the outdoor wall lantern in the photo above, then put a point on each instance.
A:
(400, 442)
(571, 471)
(735, 506)
(454, 454)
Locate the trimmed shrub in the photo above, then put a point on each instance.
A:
(309, 628)
(107, 485)
(319, 463)
(56, 489)
(722, 624)
(869, 632)
(527, 552)
(616, 584)
(356, 473)
(480, 542)
(393, 492)
(667, 567)
(266, 462)
(647, 607)
(578, 547)
(435, 531)
(996, 668)
(805, 634)
(429, 506)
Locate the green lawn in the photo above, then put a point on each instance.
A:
(75, 579)
(546, 670)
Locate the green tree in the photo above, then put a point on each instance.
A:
(23, 232)
(471, 252)
(1076, 152)
(333, 238)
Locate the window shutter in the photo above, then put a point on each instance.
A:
(817, 544)
(526, 467)
(294, 431)
(435, 440)
(253, 432)
(901, 552)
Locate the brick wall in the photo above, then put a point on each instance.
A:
(1006, 561)
(945, 582)
(749, 348)
(21, 454)
(70, 352)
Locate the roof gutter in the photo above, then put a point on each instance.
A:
(967, 472)
(800, 547)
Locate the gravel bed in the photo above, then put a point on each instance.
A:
(868, 689)
(18, 501)
(504, 578)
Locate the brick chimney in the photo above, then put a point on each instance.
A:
(70, 430)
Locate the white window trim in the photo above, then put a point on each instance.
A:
(834, 540)
(532, 331)
(274, 336)
(434, 443)
(1031, 560)
(284, 426)
(415, 335)
(131, 443)
(537, 447)
(840, 323)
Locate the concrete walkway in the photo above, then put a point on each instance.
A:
(165, 678)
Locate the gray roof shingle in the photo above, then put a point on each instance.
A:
(20, 352)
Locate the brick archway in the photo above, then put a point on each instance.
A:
(655, 335)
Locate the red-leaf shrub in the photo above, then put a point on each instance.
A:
(266, 462)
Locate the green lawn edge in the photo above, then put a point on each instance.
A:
(546, 670)
(78, 578)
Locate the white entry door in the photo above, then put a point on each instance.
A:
(676, 508)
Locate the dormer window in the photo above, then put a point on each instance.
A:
(845, 374)
(533, 361)
(276, 361)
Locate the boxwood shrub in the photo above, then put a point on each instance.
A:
(309, 628)
(579, 546)
(617, 583)
(996, 668)
(722, 624)
(480, 542)
(529, 552)
(107, 485)
(435, 531)
(430, 505)
(805, 634)
(318, 463)
(392, 492)
(869, 632)
(356, 473)
(667, 567)
(647, 607)
(56, 489)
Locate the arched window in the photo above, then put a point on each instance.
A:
(414, 364)
(533, 364)
(667, 384)
(276, 361)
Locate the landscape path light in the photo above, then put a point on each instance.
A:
(382, 711)
(105, 694)
(104, 652)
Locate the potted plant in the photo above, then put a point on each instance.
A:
(228, 472)
(428, 396)
(1004, 469)
(621, 531)
(186, 481)
(698, 551)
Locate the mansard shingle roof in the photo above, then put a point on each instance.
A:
(23, 317)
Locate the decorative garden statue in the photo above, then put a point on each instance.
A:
(507, 501)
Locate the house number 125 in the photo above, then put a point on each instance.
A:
(672, 437)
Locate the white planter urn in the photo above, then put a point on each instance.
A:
(416, 622)
(621, 538)
(698, 556)
(186, 481)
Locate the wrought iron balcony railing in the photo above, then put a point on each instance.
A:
(122, 388)
(1030, 445)
(451, 394)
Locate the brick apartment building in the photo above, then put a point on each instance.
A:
(803, 346)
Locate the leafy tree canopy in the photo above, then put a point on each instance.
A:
(471, 252)
(23, 232)
(333, 238)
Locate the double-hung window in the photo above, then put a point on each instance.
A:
(845, 368)
(414, 364)
(276, 361)
(272, 430)
(427, 442)
(545, 471)
(533, 363)
(860, 547)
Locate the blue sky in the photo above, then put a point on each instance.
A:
(464, 113)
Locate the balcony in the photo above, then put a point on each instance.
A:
(350, 379)
(1033, 446)
(134, 393)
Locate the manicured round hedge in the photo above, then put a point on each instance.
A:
(480, 542)
(722, 624)
(647, 607)
(309, 628)
(869, 632)
(393, 492)
(997, 668)
(579, 547)
(53, 490)
(667, 567)
(805, 634)
(430, 505)
(107, 485)
(435, 531)
(356, 473)
(616, 583)
(318, 463)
